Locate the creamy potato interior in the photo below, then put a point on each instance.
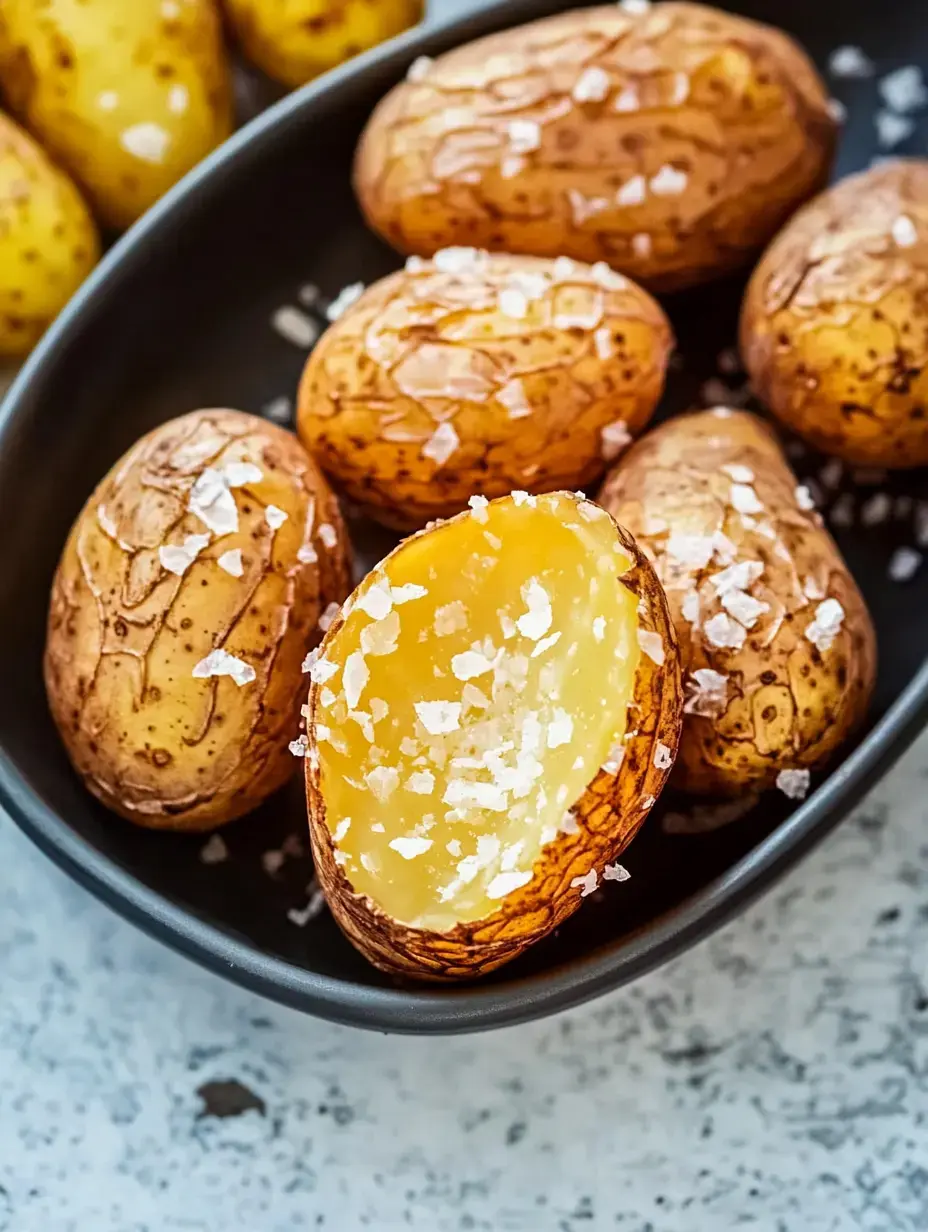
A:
(476, 687)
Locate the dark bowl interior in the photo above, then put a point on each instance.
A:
(179, 317)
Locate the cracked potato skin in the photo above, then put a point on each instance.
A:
(48, 240)
(153, 743)
(127, 95)
(431, 345)
(294, 41)
(609, 815)
(735, 106)
(834, 327)
(788, 706)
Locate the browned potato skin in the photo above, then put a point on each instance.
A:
(358, 415)
(736, 106)
(609, 815)
(789, 706)
(153, 743)
(834, 327)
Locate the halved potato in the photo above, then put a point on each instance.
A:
(490, 721)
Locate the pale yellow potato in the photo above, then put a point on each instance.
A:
(185, 601)
(481, 373)
(834, 326)
(48, 240)
(296, 40)
(776, 644)
(127, 95)
(671, 143)
(491, 719)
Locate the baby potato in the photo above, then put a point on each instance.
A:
(479, 373)
(296, 40)
(491, 719)
(834, 326)
(48, 241)
(776, 644)
(186, 598)
(671, 143)
(127, 95)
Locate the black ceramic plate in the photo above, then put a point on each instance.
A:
(177, 317)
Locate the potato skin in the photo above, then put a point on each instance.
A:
(296, 40)
(48, 240)
(834, 326)
(154, 743)
(591, 351)
(609, 815)
(127, 95)
(729, 115)
(788, 705)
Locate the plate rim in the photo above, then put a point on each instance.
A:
(413, 1010)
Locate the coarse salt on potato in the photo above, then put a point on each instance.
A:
(490, 721)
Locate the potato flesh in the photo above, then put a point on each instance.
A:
(436, 827)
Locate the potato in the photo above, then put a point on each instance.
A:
(186, 598)
(776, 644)
(126, 94)
(297, 40)
(481, 373)
(671, 144)
(48, 241)
(834, 327)
(490, 721)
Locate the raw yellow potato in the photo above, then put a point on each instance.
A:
(776, 644)
(127, 95)
(296, 40)
(491, 719)
(48, 241)
(671, 143)
(834, 327)
(185, 601)
(480, 373)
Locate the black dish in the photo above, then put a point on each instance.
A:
(177, 317)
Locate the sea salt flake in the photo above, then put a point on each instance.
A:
(299, 746)
(546, 643)
(641, 244)
(327, 619)
(904, 89)
(599, 628)
(841, 513)
(850, 61)
(614, 438)
(522, 498)
(504, 883)
(354, 677)
(583, 207)
(892, 129)
(707, 693)
(470, 664)
(419, 68)
(478, 507)
(321, 669)
(220, 663)
(589, 881)
(274, 517)
(739, 576)
(328, 535)
(314, 907)
(341, 830)
(177, 558)
(692, 551)
(473, 697)
(513, 303)
(592, 86)
(450, 618)
(615, 872)
(382, 781)
(794, 783)
(632, 192)
(147, 141)
(294, 326)
(439, 717)
(744, 607)
(524, 135)
(904, 232)
(443, 442)
(231, 562)
(211, 501)
(512, 397)
(410, 847)
(724, 632)
(380, 637)
(377, 600)
(738, 473)
(214, 850)
(537, 620)
(876, 509)
(636, 7)
(560, 729)
(663, 757)
(829, 616)
(602, 340)
(307, 554)
(744, 499)
(344, 299)
(421, 783)
(627, 100)
(690, 606)
(804, 498)
(652, 645)
(669, 181)
(407, 592)
(904, 564)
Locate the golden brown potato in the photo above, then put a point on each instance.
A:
(490, 721)
(776, 644)
(186, 598)
(475, 373)
(671, 144)
(834, 327)
(127, 95)
(296, 40)
(48, 241)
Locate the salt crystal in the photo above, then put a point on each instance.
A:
(892, 129)
(211, 501)
(669, 182)
(419, 68)
(421, 783)
(513, 303)
(599, 628)
(745, 608)
(504, 883)
(903, 232)
(177, 559)
(274, 517)
(560, 729)
(524, 135)
(537, 620)
(724, 632)
(328, 534)
(663, 757)
(512, 397)
(876, 510)
(354, 677)
(740, 474)
(804, 498)
(739, 576)
(904, 89)
(707, 693)
(442, 444)
(614, 438)
(829, 616)
(298, 746)
(346, 297)
(689, 607)
(615, 872)
(439, 717)
(904, 564)
(589, 881)
(220, 663)
(147, 141)
(744, 499)
(849, 61)
(592, 86)
(410, 847)
(794, 783)
(478, 507)
(214, 850)
(327, 619)
(652, 645)
(470, 664)
(314, 907)
(632, 192)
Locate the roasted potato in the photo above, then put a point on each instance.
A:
(491, 719)
(296, 40)
(48, 241)
(670, 143)
(479, 373)
(186, 599)
(776, 644)
(127, 95)
(834, 327)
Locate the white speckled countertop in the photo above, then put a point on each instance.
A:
(775, 1078)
